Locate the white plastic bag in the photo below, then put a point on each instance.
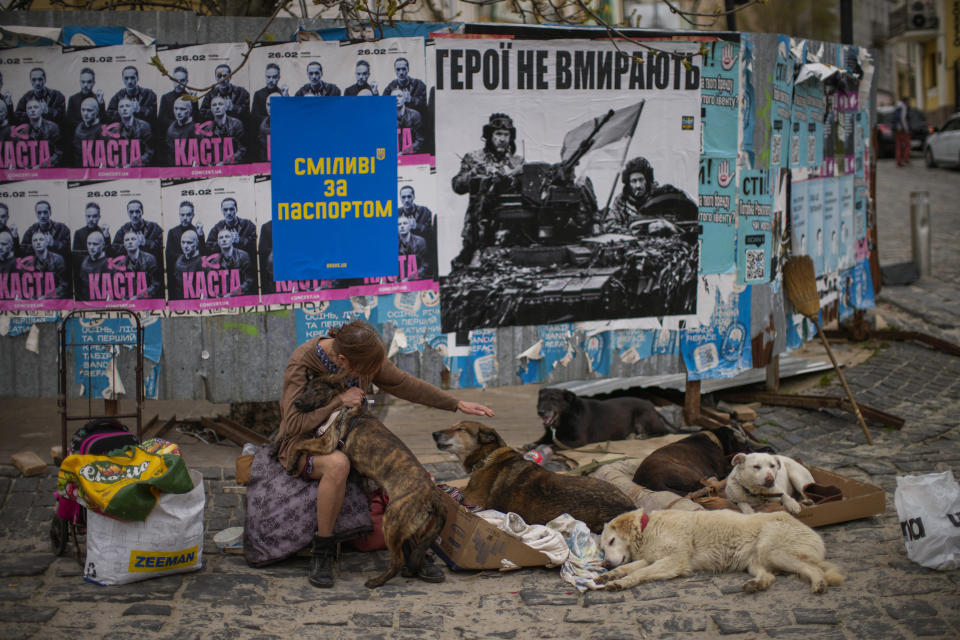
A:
(928, 507)
(169, 541)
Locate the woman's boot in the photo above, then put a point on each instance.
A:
(321, 562)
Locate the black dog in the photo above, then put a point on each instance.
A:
(576, 421)
(679, 466)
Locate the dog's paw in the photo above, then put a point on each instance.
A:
(818, 586)
(791, 505)
(751, 586)
(616, 585)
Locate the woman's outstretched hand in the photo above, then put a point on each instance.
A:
(474, 409)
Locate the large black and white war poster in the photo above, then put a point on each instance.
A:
(567, 181)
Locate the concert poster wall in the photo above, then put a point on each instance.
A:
(213, 135)
(212, 222)
(394, 67)
(35, 271)
(541, 221)
(30, 136)
(117, 245)
(110, 129)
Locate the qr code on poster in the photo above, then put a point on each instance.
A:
(775, 151)
(754, 264)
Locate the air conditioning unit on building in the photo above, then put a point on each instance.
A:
(922, 15)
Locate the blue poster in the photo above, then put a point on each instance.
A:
(747, 98)
(861, 123)
(856, 289)
(718, 195)
(598, 348)
(816, 111)
(782, 112)
(479, 367)
(719, 96)
(334, 184)
(861, 242)
(99, 343)
(554, 348)
(415, 316)
(845, 235)
(720, 349)
(831, 224)
(11, 325)
(315, 319)
(754, 226)
(799, 155)
(815, 223)
(633, 345)
(798, 218)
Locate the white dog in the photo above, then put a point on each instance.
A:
(667, 544)
(758, 478)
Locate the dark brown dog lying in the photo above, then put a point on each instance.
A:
(679, 466)
(502, 479)
(576, 421)
(415, 513)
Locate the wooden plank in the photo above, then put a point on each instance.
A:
(773, 374)
(691, 401)
(251, 435)
(817, 402)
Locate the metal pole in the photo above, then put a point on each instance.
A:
(920, 230)
(731, 16)
(846, 21)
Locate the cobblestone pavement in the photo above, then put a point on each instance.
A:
(885, 595)
(932, 304)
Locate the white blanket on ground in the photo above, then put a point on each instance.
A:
(565, 540)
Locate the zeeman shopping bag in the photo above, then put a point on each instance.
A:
(928, 507)
(169, 541)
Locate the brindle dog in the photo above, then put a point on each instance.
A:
(415, 513)
(502, 479)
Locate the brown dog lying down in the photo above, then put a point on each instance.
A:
(415, 514)
(502, 479)
(679, 466)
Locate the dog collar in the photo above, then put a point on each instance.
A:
(479, 463)
(760, 495)
(644, 519)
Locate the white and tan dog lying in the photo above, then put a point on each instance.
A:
(668, 544)
(758, 478)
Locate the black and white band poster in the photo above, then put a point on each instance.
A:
(32, 114)
(394, 67)
(567, 181)
(287, 69)
(211, 239)
(35, 246)
(110, 126)
(207, 133)
(117, 243)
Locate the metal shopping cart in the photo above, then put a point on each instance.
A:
(71, 523)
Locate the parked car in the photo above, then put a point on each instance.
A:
(942, 147)
(916, 121)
